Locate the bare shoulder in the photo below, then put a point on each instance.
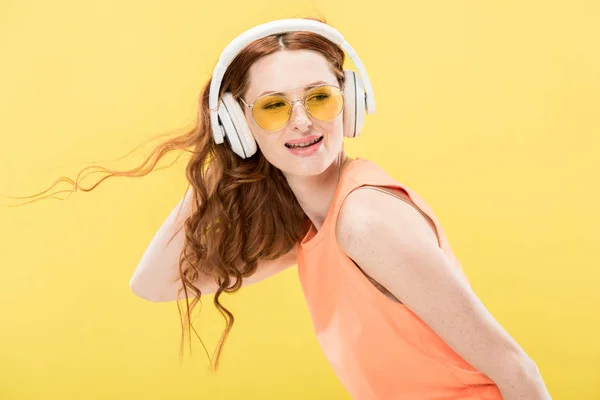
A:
(375, 210)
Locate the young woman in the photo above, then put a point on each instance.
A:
(390, 305)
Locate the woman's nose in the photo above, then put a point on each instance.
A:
(300, 117)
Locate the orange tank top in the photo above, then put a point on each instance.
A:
(376, 346)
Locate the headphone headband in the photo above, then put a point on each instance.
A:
(271, 28)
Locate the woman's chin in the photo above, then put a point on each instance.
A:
(309, 166)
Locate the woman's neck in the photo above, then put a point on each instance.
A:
(315, 193)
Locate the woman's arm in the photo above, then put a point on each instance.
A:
(394, 244)
(155, 278)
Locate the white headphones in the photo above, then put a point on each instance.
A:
(228, 120)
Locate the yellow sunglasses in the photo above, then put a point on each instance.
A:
(272, 112)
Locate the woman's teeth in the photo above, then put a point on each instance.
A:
(299, 146)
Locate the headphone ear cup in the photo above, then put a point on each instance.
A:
(236, 127)
(354, 104)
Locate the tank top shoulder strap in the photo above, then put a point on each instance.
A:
(363, 172)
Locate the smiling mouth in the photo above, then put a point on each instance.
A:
(302, 146)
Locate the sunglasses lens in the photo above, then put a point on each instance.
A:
(325, 102)
(273, 112)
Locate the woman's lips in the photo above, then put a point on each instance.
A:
(304, 139)
(308, 150)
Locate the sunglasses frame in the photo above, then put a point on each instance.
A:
(302, 101)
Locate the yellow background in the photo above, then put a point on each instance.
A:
(489, 111)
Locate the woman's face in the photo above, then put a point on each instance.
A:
(291, 72)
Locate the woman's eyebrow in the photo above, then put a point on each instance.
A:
(281, 93)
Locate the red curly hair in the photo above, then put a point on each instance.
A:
(227, 189)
